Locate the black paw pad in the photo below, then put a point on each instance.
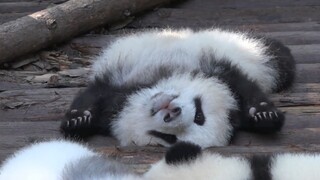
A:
(265, 117)
(77, 123)
(79, 118)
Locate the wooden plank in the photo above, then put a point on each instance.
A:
(285, 137)
(308, 73)
(306, 53)
(22, 7)
(305, 87)
(35, 105)
(11, 16)
(301, 110)
(244, 4)
(295, 37)
(165, 17)
(296, 99)
(282, 27)
(6, 86)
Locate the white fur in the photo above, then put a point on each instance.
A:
(296, 167)
(50, 160)
(133, 123)
(42, 161)
(207, 166)
(134, 59)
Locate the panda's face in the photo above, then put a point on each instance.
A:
(191, 107)
(183, 107)
(176, 111)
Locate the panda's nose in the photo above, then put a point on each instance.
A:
(172, 114)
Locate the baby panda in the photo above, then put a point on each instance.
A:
(163, 86)
(187, 161)
(62, 160)
(184, 160)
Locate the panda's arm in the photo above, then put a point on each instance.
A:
(256, 112)
(91, 111)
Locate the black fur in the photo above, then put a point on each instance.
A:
(103, 101)
(199, 117)
(260, 165)
(248, 94)
(283, 62)
(182, 152)
(169, 138)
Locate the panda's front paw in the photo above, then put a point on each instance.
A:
(265, 117)
(79, 118)
(78, 123)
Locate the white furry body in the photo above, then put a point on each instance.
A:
(214, 166)
(136, 58)
(207, 166)
(48, 161)
(296, 167)
(131, 129)
(42, 161)
(139, 59)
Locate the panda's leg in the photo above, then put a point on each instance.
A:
(256, 112)
(283, 62)
(91, 111)
(81, 118)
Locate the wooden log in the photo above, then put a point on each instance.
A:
(60, 23)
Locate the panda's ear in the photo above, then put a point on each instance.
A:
(182, 152)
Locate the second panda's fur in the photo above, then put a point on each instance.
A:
(187, 161)
(62, 160)
(65, 160)
(160, 87)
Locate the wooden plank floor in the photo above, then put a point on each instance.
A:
(32, 102)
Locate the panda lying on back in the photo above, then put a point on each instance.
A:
(160, 87)
(45, 161)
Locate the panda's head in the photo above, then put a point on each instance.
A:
(191, 107)
(187, 161)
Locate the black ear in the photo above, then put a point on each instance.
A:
(182, 152)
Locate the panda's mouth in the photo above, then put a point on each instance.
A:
(162, 103)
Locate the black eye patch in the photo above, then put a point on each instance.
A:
(199, 116)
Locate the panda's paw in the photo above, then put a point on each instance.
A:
(265, 117)
(77, 123)
(79, 118)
